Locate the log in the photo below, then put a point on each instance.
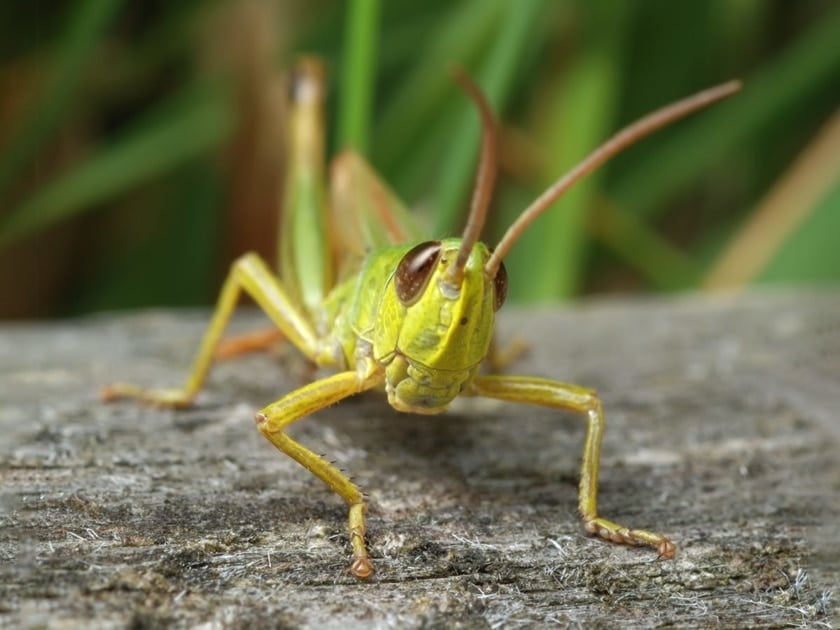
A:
(723, 423)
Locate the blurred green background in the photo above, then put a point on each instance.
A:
(142, 144)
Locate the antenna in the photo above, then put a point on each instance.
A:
(484, 178)
(620, 141)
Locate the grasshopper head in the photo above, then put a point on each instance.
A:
(442, 333)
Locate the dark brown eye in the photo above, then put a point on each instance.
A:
(414, 271)
(500, 286)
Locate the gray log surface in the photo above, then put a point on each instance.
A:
(723, 424)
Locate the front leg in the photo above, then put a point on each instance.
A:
(273, 420)
(547, 393)
(250, 274)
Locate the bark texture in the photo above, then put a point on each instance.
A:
(723, 424)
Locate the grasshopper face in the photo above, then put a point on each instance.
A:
(442, 332)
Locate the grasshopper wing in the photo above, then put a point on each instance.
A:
(365, 212)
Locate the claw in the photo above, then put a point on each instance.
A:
(667, 549)
(361, 568)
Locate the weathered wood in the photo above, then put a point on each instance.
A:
(723, 424)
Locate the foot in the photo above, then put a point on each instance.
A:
(158, 397)
(624, 536)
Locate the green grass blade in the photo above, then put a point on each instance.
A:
(88, 22)
(662, 264)
(683, 155)
(576, 116)
(810, 255)
(547, 262)
(516, 26)
(773, 223)
(198, 122)
(359, 72)
(173, 261)
(412, 109)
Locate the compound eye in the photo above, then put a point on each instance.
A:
(500, 284)
(414, 271)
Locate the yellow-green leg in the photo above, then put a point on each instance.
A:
(558, 395)
(273, 420)
(501, 357)
(250, 274)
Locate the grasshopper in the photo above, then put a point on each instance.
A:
(386, 311)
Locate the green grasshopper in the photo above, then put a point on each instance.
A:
(388, 311)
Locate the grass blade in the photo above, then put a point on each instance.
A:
(359, 74)
(197, 123)
(796, 196)
(803, 69)
(87, 24)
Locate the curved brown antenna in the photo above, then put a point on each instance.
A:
(620, 141)
(484, 178)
